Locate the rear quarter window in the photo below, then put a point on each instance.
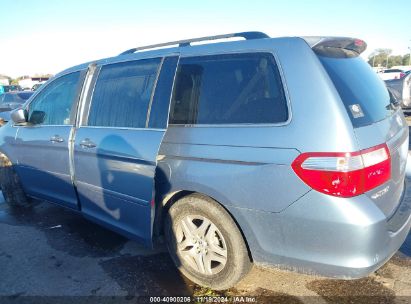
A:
(363, 93)
(228, 89)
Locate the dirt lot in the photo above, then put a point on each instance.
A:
(50, 251)
(50, 255)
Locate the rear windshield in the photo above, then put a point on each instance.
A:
(364, 94)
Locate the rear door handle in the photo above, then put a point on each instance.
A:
(87, 143)
(56, 139)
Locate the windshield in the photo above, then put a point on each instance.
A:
(363, 93)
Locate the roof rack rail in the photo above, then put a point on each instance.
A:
(187, 42)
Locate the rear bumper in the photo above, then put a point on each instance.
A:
(325, 235)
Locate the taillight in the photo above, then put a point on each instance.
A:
(359, 42)
(402, 75)
(344, 174)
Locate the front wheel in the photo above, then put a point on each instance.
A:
(205, 243)
(11, 187)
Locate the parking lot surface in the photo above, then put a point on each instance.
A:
(48, 251)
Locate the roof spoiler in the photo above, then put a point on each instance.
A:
(322, 44)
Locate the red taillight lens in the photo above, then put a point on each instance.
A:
(344, 174)
(358, 42)
(402, 75)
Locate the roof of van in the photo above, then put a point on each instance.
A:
(174, 47)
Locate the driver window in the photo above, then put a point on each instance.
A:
(53, 105)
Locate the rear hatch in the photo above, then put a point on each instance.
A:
(375, 113)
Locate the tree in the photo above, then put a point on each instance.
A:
(394, 60)
(383, 58)
(379, 57)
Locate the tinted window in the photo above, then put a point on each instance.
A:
(393, 71)
(363, 93)
(161, 100)
(54, 104)
(122, 94)
(228, 89)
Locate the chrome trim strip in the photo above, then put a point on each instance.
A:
(84, 93)
(121, 128)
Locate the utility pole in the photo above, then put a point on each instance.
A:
(409, 60)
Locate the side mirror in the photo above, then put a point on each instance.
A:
(19, 116)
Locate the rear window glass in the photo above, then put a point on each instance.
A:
(363, 93)
(228, 89)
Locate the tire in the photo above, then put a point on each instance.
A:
(217, 244)
(11, 187)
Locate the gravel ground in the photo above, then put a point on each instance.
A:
(50, 251)
(50, 255)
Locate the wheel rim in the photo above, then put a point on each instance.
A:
(201, 244)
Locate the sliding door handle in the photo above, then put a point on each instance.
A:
(87, 143)
(56, 139)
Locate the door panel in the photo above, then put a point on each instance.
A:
(43, 163)
(114, 150)
(42, 145)
(115, 179)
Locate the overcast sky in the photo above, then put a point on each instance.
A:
(47, 36)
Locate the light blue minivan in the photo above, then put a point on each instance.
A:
(282, 151)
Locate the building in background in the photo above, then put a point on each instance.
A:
(27, 82)
(4, 80)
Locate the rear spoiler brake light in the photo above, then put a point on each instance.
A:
(323, 43)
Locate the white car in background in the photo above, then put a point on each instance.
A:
(36, 86)
(390, 74)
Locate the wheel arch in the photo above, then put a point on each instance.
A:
(5, 160)
(165, 203)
